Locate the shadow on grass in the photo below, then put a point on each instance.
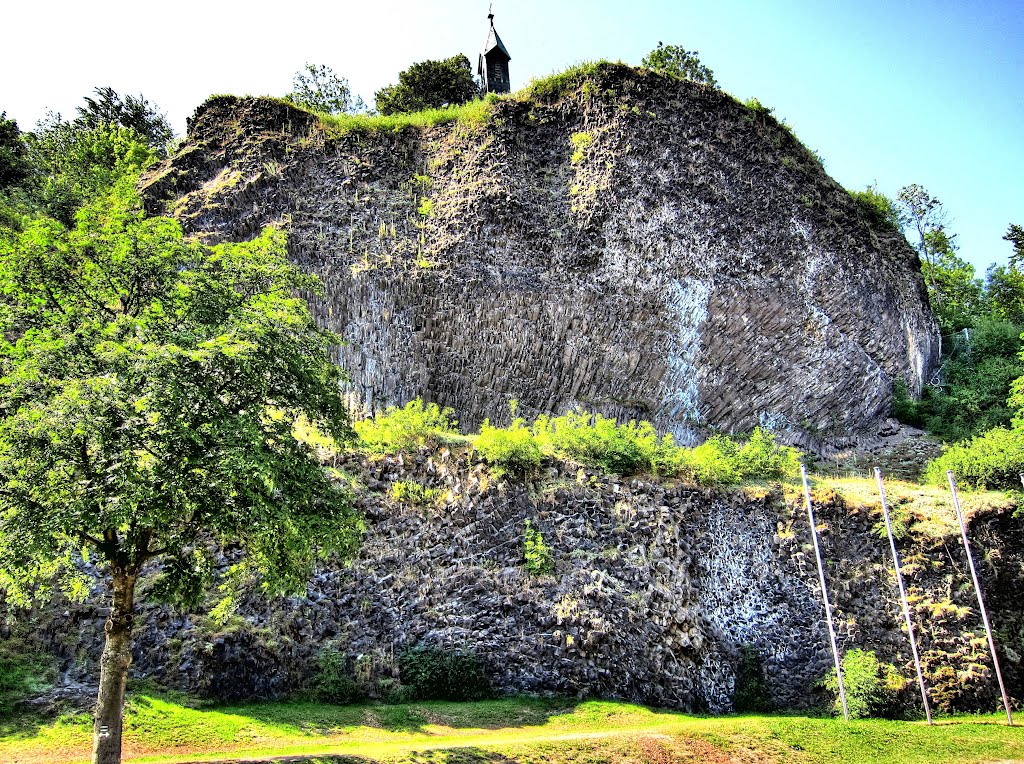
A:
(324, 719)
(26, 724)
(319, 718)
(21, 725)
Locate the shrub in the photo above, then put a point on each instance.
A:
(413, 493)
(992, 460)
(556, 85)
(626, 449)
(436, 674)
(751, 693)
(393, 693)
(536, 553)
(580, 143)
(598, 441)
(872, 687)
(415, 425)
(332, 680)
(755, 105)
(713, 462)
(905, 408)
(762, 457)
(879, 209)
(991, 337)
(511, 450)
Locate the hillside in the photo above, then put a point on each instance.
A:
(642, 246)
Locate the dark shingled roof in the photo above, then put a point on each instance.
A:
(493, 41)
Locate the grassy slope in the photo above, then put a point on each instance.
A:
(511, 730)
(928, 509)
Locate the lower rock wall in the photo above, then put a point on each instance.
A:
(654, 591)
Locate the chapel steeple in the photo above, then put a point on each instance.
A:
(493, 66)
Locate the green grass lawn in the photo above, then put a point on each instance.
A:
(510, 730)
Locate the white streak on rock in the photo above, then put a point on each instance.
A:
(688, 305)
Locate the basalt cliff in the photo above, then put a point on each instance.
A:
(656, 592)
(610, 238)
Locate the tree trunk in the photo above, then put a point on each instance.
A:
(117, 657)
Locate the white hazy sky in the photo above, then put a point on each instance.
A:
(887, 91)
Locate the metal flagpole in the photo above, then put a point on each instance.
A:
(977, 590)
(824, 595)
(903, 596)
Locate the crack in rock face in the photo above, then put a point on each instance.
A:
(642, 247)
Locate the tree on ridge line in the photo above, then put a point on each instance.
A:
(429, 85)
(317, 87)
(677, 61)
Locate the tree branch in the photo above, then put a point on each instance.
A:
(90, 539)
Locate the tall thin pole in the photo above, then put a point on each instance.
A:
(977, 590)
(824, 595)
(903, 596)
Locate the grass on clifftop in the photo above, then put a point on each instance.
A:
(476, 112)
(510, 730)
(923, 511)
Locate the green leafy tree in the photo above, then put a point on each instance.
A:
(1004, 284)
(957, 297)
(429, 85)
(955, 294)
(13, 165)
(1004, 290)
(679, 62)
(72, 164)
(110, 109)
(1015, 235)
(150, 388)
(14, 172)
(318, 88)
(979, 367)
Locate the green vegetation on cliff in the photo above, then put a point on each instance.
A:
(429, 85)
(975, 394)
(588, 439)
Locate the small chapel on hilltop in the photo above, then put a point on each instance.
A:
(493, 66)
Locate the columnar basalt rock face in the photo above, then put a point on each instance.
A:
(654, 591)
(640, 246)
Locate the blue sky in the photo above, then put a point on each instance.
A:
(899, 92)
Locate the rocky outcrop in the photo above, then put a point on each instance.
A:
(655, 590)
(612, 239)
